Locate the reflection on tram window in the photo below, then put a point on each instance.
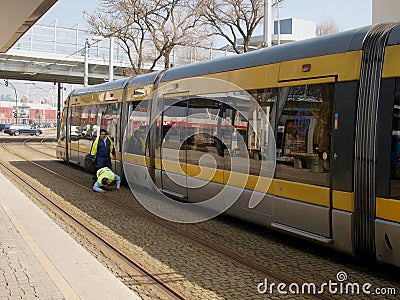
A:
(304, 133)
(204, 133)
(257, 136)
(62, 126)
(88, 122)
(75, 121)
(172, 130)
(207, 128)
(108, 116)
(136, 141)
(87, 128)
(395, 146)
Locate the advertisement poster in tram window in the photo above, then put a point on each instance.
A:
(294, 142)
(23, 112)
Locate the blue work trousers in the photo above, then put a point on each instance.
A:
(102, 161)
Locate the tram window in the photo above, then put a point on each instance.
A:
(88, 122)
(108, 119)
(171, 130)
(87, 128)
(257, 136)
(62, 124)
(138, 122)
(304, 133)
(205, 132)
(75, 122)
(395, 146)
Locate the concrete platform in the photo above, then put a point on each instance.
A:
(38, 260)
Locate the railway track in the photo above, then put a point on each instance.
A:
(42, 142)
(220, 250)
(169, 293)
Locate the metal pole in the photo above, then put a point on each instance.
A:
(111, 58)
(86, 64)
(31, 42)
(77, 37)
(279, 22)
(59, 96)
(267, 24)
(16, 105)
(55, 37)
(16, 102)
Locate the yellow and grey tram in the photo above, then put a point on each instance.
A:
(333, 105)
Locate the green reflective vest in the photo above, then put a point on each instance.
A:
(96, 142)
(105, 172)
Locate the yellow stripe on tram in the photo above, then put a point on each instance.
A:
(388, 209)
(308, 193)
(343, 200)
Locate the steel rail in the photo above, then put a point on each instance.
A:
(96, 236)
(205, 243)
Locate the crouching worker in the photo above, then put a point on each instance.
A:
(106, 177)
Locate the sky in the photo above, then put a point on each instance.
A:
(347, 14)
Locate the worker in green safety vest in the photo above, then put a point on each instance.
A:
(105, 177)
(102, 149)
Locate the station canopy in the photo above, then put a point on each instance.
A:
(17, 16)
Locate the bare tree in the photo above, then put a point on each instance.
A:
(148, 30)
(124, 21)
(176, 22)
(327, 27)
(233, 19)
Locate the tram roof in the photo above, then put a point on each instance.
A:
(341, 42)
(144, 79)
(117, 84)
(394, 37)
(103, 87)
(324, 45)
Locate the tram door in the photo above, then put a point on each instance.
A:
(302, 181)
(74, 131)
(171, 149)
(209, 137)
(386, 221)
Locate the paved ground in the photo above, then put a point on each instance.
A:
(21, 274)
(38, 260)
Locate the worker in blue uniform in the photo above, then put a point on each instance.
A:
(105, 177)
(102, 150)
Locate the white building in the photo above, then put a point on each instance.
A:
(290, 30)
(385, 11)
(293, 30)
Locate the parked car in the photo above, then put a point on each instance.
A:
(17, 129)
